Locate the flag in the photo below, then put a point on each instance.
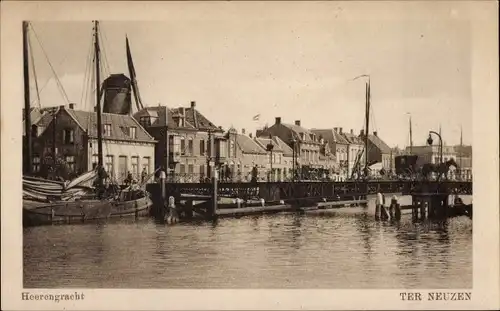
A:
(256, 117)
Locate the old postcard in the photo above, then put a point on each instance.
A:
(249, 155)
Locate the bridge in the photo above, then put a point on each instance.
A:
(274, 191)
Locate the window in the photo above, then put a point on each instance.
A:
(190, 146)
(146, 163)
(36, 164)
(222, 148)
(145, 121)
(132, 132)
(190, 169)
(68, 136)
(109, 165)
(183, 146)
(202, 170)
(202, 147)
(107, 130)
(95, 161)
(135, 166)
(70, 160)
(182, 168)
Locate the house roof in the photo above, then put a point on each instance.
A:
(381, 145)
(39, 116)
(352, 138)
(297, 130)
(119, 125)
(165, 116)
(279, 145)
(248, 145)
(330, 136)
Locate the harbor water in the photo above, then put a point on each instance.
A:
(341, 249)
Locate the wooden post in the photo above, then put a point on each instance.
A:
(213, 206)
(378, 205)
(171, 215)
(397, 212)
(189, 209)
(163, 192)
(423, 206)
(414, 210)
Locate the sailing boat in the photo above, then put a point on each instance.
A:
(66, 202)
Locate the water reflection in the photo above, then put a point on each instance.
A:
(343, 249)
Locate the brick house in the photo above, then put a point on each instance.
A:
(189, 145)
(335, 139)
(127, 147)
(312, 154)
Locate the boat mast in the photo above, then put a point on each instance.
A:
(367, 124)
(27, 112)
(411, 138)
(461, 148)
(98, 95)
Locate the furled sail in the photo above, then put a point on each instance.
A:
(131, 69)
(43, 189)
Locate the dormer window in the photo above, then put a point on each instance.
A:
(107, 130)
(132, 132)
(145, 121)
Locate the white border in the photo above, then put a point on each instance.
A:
(483, 17)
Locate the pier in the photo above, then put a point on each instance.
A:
(214, 199)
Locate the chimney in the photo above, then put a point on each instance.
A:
(71, 106)
(278, 120)
(193, 104)
(297, 122)
(340, 130)
(250, 135)
(335, 129)
(375, 133)
(352, 132)
(243, 131)
(181, 111)
(61, 107)
(362, 133)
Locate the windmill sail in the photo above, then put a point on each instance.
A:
(131, 69)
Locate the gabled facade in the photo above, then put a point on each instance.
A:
(311, 153)
(127, 147)
(189, 145)
(251, 154)
(378, 150)
(281, 159)
(355, 151)
(339, 145)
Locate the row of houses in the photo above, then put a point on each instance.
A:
(188, 146)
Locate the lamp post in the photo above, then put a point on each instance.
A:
(429, 141)
(270, 148)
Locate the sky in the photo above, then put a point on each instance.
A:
(295, 61)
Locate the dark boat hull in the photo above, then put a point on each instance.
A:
(37, 214)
